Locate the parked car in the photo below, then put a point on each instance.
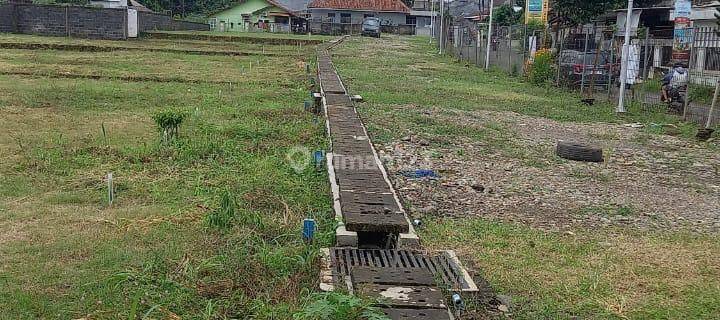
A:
(371, 27)
(593, 65)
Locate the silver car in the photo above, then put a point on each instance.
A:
(371, 27)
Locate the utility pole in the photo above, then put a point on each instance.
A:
(442, 12)
(624, 59)
(432, 20)
(489, 35)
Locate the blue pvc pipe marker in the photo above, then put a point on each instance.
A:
(319, 159)
(309, 227)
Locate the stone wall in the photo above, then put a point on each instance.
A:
(83, 22)
(73, 21)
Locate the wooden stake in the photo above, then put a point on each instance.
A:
(712, 106)
(111, 189)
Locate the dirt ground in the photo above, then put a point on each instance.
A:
(648, 181)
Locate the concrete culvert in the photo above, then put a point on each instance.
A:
(578, 152)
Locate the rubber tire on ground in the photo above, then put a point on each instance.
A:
(578, 152)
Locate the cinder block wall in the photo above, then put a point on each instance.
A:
(83, 22)
(6, 18)
(74, 21)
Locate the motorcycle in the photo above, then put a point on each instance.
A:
(676, 99)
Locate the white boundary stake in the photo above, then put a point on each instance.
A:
(111, 189)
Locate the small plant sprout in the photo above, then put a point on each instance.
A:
(168, 122)
(104, 133)
(222, 218)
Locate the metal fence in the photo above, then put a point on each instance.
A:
(587, 59)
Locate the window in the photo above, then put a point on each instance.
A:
(232, 25)
(213, 23)
(410, 20)
(331, 14)
(368, 15)
(345, 18)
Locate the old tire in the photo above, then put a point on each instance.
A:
(578, 152)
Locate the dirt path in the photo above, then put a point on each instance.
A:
(648, 181)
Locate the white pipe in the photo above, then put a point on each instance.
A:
(432, 20)
(442, 6)
(624, 59)
(487, 48)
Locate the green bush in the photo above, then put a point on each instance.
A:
(223, 217)
(701, 94)
(542, 69)
(168, 122)
(333, 305)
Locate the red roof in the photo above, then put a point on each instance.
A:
(363, 5)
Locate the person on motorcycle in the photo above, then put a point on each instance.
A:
(676, 78)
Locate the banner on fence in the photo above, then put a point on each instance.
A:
(532, 47)
(682, 34)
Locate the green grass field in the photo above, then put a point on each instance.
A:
(267, 35)
(66, 254)
(208, 226)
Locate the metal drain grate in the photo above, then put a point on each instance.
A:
(342, 260)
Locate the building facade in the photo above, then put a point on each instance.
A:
(258, 15)
(390, 12)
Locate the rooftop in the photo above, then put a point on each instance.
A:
(363, 5)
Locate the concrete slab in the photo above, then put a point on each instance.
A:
(392, 276)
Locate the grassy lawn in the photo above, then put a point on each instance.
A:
(267, 35)
(585, 272)
(141, 43)
(162, 65)
(65, 254)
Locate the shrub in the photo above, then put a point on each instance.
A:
(333, 305)
(223, 217)
(542, 69)
(168, 122)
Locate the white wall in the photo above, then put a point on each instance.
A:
(391, 18)
(110, 3)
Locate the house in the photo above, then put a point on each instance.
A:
(390, 12)
(424, 12)
(130, 4)
(261, 15)
(695, 43)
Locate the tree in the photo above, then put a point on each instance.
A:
(571, 12)
(717, 20)
(505, 15)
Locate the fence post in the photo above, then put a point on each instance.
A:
(477, 47)
(524, 51)
(582, 77)
(612, 64)
(689, 71)
(67, 21)
(645, 60)
(598, 51)
(562, 47)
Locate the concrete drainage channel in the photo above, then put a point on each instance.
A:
(377, 253)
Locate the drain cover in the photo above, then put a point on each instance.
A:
(440, 266)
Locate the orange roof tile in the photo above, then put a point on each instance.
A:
(364, 5)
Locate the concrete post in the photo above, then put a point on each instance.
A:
(657, 56)
(67, 21)
(700, 60)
